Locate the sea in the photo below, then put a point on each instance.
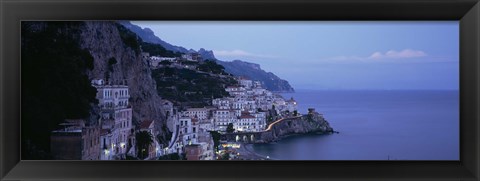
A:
(375, 125)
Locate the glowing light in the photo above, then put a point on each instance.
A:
(231, 145)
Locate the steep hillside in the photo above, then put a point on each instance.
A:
(55, 85)
(106, 40)
(193, 87)
(237, 68)
(254, 72)
(147, 35)
(102, 50)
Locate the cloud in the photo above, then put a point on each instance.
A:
(239, 53)
(407, 53)
(375, 56)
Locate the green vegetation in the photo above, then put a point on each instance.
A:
(129, 38)
(54, 83)
(144, 139)
(230, 128)
(112, 61)
(188, 87)
(225, 156)
(158, 50)
(211, 67)
(216, 139)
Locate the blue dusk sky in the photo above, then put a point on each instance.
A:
(331, 55)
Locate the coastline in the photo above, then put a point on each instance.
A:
(249, 147)
(247, 153)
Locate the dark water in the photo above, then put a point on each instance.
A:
(376, 125)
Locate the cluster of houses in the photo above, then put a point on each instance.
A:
(112, 137)
(155, 61)
(246, 109)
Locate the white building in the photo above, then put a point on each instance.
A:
(192, 56)
(257, 84)
(248, 84)
(261, 121)
(222, 117)
(200, 113)
(246, 123)
(291, 105)
(187, 131)
(117, 119)
(222, 103)
(155, 60)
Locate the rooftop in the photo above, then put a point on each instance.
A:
(246, 116)
(146, 124)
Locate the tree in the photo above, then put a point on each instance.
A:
(212, 67)
(269, 119)
(165, 63)
(112, 61)
(230, 128)
(216, 139)
(144, 139)
(225, 156)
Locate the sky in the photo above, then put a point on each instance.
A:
(318, 55)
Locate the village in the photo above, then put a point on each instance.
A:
(247, 109)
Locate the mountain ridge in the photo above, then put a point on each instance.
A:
(247, 69)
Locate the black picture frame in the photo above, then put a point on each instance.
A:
(466, 11)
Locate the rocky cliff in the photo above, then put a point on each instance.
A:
(103, 40)
(149, 36)
(310, 123)
(116, 58)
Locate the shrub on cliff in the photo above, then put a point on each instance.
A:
(54, 83)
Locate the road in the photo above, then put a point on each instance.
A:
(277, 121)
